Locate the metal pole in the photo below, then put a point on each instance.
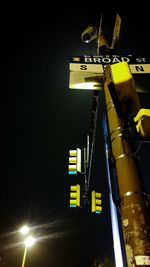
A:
(24, 256)
(102, 48)
(134, 205)
(113, 210)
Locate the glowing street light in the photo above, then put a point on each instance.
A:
(24, 230)
(28, 242)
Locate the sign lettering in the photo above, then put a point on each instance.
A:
(97, 64)
(139, 68)
(109, 59)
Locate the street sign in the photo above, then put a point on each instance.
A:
(97, 64)
(86, 72)
(85, 80)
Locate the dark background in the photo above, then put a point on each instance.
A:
(42, 119)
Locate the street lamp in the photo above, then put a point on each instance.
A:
(28, 242)
(24, 230)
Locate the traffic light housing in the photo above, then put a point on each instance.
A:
(96, 202)
(74, 161)
(75, 195)
(122, 87)
(142, 122)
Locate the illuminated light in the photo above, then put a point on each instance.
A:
(73, 153)
(75, 195)
(72, 159)
(72, 172)
(24, 230)
(29, 241)
(72, 167)
(98, 212)
(75, 161)
(87, 85)
(96, 202)
(72, 206)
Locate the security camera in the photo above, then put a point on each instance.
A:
(89, 34)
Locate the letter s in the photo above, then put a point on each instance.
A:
(83, 67)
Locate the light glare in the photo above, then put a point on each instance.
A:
(29, 241)
(24, 230)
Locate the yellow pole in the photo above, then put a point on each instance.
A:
(134, 205)
(24, 256)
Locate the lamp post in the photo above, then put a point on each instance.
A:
(29, 241)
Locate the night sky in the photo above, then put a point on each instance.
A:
(41, 120)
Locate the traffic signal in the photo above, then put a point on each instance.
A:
(124, 83)
(142, 122)
(75, 195)
(74, 161)
(96, 202)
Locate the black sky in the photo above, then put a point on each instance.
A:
(41, 120)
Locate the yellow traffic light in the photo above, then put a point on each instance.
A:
(75, 195)
(142, 121)
(124, 84)
(121, 72)
(74, 161)
(96, 202)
